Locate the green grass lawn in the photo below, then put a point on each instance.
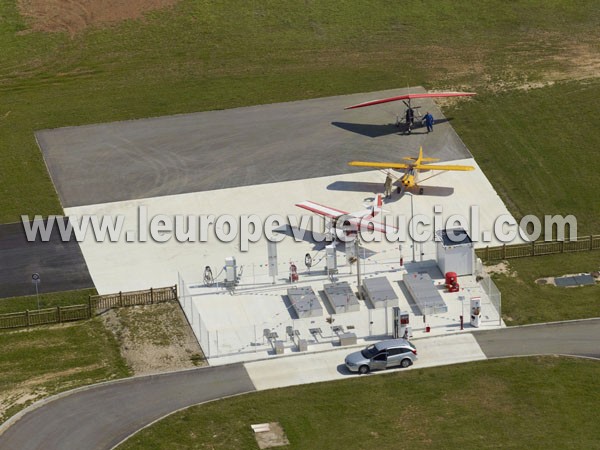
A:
(46, 300)
(509, 403)
(540, 149)
(39, 362)
(525, 302)
(206, 55)
(213, 55)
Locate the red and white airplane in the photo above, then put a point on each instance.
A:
(409, 115)
(409, 97)
(350, 223)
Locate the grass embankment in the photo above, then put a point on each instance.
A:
(46, 300)
(39, 362)
(525, 302)
(499, 404)
(154, 338)
(206, 55)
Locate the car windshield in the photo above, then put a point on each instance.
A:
(370, 351)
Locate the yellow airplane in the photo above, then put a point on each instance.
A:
(412, 169)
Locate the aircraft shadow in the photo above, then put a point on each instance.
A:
(356, 186)
(377, 188)
(367, 129)
(424, 191)
(421, 126)
(317, 240)
(374, 130)
(312, 237)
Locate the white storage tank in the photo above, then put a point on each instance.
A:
(455, 251)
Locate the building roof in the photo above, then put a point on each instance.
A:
(454, 236)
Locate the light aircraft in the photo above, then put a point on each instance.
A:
(411, 169)
(410, 110)
(349, 223)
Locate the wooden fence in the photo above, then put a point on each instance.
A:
(147, 297)
(538, 248)
(96, 304)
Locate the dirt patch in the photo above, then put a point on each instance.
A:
(35, 388)
(546, 281)
(74, 16)
(275, 437)
(575, 60)
(19, 396)
(501, 268)
(581, 60)
(154, 338)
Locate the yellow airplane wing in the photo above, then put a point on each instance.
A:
(379, 165)
(440, 167)
(410, 158)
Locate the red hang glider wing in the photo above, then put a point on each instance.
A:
(411, 96)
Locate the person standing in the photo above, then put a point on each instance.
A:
(410, 119)
(429, 121)
(388, 186)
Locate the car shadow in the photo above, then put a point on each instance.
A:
(343, 370)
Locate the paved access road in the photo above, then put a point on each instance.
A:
(60, 264)
(581, 338)
(103, 415)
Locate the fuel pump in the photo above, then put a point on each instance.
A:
(475, 311)
(405, 329)
(401, 324)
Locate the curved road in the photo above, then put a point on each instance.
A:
(101, 416)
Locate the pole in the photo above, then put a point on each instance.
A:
(357, 251)
(412, 226)
(35, 277)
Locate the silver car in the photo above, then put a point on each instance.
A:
(382, 355)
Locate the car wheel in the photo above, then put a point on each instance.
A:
(363, 369)
(405, 363)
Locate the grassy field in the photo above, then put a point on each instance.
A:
(492, 404)
(525, 302)
(202, 55)
(46, 300)
(540, 149)
(39, 362)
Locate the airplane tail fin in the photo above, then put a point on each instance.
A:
(422, 159)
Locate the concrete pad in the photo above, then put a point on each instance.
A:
(123, 266)
(231, 325)
(327, 366)
(300, 369)
(236, 147)
(452, 349)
